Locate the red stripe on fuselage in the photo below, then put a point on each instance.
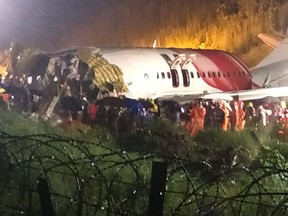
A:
(237, 77)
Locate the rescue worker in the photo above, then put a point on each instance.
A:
(92, 112)
(209, 119)
(285, 114)
(250, 114)
(263, 116)
(226, 111)
(219, 115)
(234, 115)
(241, 114)
(197, 115)
(154, 109)
(283, 105)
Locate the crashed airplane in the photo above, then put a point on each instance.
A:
(91, 73)
(79, 73)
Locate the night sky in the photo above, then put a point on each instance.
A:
(40, 22)
(58, 24)
(54, 24)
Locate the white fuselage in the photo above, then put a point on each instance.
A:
(148, 74)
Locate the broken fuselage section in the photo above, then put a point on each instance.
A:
(32, 76)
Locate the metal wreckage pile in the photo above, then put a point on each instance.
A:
(39, 82)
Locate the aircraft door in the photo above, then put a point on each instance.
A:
(175, 66)
(179, 65)
(175, 78)
(185, 70)
(186, 78)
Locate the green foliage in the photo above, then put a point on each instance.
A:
(272, 158)
(233, 143)
(77, 172)
(90, 165)
(222, 139)
(182, 23)
(159, 136)
(14, 123)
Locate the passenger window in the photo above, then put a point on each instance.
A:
(224, 75)
(198, 75)
(204, 75)
(163, 75)
(192, 75)
(146, 76)
(219, 74)
(168, 75)
(157, 75)
(214, 74)
(228, 74)
(209, 75)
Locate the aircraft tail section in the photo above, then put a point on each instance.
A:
(272, 70)
(272, 41)
(280, 51)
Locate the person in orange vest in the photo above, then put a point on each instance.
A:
(197, 115)
(92, 112)
(226, 111)
(240, 117)
(237, 114)
(234, 114)
(189, 119)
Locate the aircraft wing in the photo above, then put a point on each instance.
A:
(254, 94)
(244, 95)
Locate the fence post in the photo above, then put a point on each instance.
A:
(157, 188)
(45, 197)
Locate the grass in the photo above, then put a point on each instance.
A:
(91, 169)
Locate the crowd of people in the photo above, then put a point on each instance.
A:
(194, 117)
(65, 86)
(235, 115)
(123, 114)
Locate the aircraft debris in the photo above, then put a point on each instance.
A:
(47, 77)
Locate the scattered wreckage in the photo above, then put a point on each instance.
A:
(38, 81)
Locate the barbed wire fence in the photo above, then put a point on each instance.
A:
(52, 175)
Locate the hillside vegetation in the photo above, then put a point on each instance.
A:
(228, 25)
